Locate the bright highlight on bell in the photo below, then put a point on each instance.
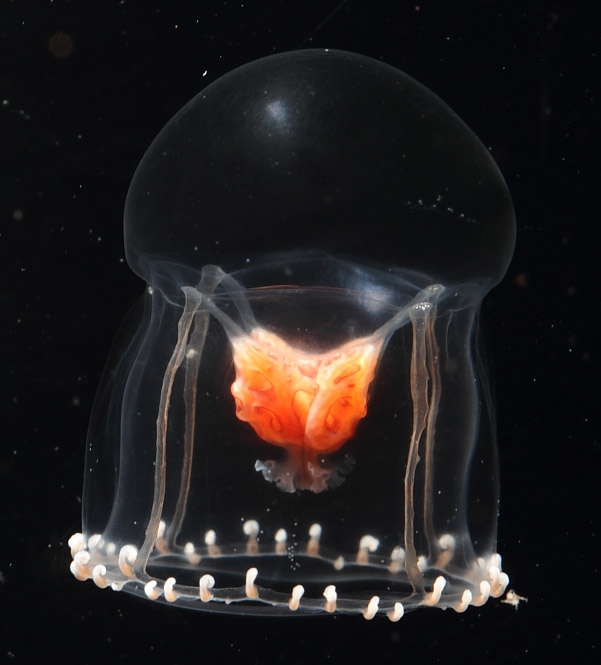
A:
(297, 418)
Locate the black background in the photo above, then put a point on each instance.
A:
(84, 87)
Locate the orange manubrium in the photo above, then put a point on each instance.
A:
(293, 398)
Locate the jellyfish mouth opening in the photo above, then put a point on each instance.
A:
(316, 474)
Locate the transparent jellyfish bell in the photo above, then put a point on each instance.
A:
(302, 420)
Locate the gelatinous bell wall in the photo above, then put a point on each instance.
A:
(299, 418)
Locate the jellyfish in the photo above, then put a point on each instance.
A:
(297, 417)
